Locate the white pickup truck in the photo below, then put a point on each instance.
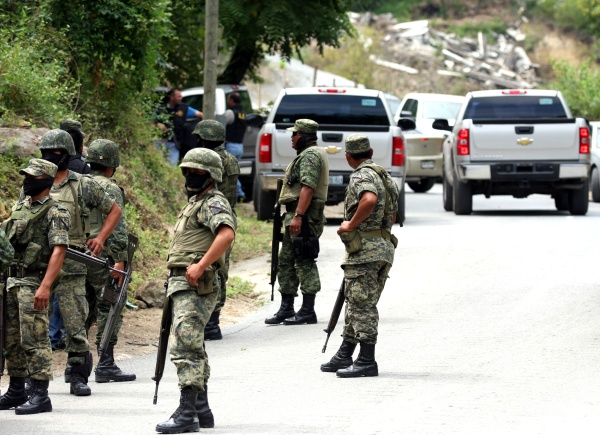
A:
(340, 112)
(516, 142)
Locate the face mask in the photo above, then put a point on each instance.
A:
(195, 183)
(35, 186)
(61, 160)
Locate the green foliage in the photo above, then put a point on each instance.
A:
(580, 15)
(10, 180)
(237, 287)
(488, 28)
(253, 236)
(579, 85)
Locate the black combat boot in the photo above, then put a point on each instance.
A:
(364, 366)
(79, 375)
(107, 370)
(39, 400)
(205, 415)
(28, 387)
(185, 418)
(15, 395)
(68, 374)
(285, 310)
(342, 358)
(306, 314)
(212, 331)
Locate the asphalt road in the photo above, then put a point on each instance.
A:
(489, 325)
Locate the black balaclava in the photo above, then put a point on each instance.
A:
(196, 183)
(61, 160)
(305, 141)
(34, 186)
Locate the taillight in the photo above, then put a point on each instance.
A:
(264, 148)
(398, 151)
(584, 140)
(462, 147)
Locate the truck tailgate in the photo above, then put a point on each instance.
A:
(518, 140)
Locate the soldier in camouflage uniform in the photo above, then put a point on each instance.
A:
(38, 229)
(6, 251)
(203, 233)
(211, 134)
(76, 162)
(79, 194)
(369, 213)
(103, 158)
(303, 194)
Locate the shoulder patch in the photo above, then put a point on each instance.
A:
(216, 208)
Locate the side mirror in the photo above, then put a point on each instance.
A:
(255, 120)
(441, 124)
(406, 124)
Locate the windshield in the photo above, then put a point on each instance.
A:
(333, 109)
(515, 107)
(440, 109)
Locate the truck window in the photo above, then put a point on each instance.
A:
(515, 107)
(440, 109)
(332, 109)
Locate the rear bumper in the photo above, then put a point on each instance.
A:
(424, 166)
(515, 171)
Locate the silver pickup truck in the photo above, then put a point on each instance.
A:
(340, 112)
(516, 142)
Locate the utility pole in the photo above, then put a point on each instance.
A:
(210, 58)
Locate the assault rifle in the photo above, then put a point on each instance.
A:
(163, 342)
(116, 295)
(277, 237)
(335, 314)
(2, 320)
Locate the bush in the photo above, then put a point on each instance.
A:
(579, 85)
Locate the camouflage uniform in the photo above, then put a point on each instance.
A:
(215, 132)
(195, 231)
(28, 349)
(6, 250)
(309, 168)
(366, 271)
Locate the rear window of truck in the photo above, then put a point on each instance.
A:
(515, 107)
(332, 109)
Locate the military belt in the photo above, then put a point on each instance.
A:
(15, 271)
(385, 234)
(178, 271)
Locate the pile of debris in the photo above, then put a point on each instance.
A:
(501, 63)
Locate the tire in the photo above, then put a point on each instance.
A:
(401, 214)
(447, 195)
(264, 202)
(595, 186)
(463, 198)
(421, 186)
(561, 200)
(579, 200)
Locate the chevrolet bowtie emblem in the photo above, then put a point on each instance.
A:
(333, 150)
(524, 141)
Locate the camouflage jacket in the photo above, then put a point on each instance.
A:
(116, 244)
(6, 250)
(231, 172)
(365, 179)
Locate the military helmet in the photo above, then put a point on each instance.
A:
(58, 139)
(104, 152)
(203, 158)
(210, 130)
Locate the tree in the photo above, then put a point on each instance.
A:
(252, 28)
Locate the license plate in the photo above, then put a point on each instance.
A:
(336, 180)
(427, 164)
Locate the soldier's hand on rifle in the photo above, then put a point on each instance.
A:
(95, 245)
(119, 277)
(42, 296)
(193, 274)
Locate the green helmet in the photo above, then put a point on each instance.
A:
(210, 130)
(104, 152)
(58, 139)
(203, 158)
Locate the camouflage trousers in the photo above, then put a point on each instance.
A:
(73, 305)
(28, 351)
(363, 286)
(223, 273)
(99, 308)
(190, 315)
(293, 273)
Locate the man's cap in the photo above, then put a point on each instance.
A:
(357, 143)
(71, 124)
(210, 130)
(39, 167)
(305, 126)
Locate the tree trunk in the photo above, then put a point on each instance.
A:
(210, 59)
(242, 58)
